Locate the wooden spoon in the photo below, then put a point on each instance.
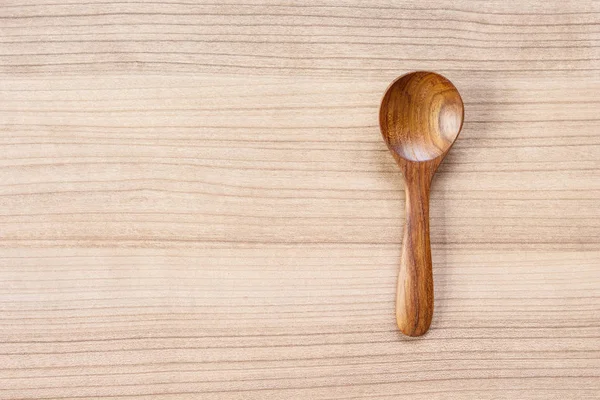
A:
(420, 117)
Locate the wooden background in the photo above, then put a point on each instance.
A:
(196, 203)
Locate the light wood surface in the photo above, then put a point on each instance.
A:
(196, 202)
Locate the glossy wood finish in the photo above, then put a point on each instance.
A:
(420, 117)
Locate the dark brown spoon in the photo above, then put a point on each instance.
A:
(420, 117)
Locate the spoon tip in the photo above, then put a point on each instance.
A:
(421, 115)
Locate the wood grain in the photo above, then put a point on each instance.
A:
(420, 117)
(195, 201)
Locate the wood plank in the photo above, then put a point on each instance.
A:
(196, 202)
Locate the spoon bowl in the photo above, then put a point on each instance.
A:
(420, 117)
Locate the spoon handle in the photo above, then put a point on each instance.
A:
(414, 299)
